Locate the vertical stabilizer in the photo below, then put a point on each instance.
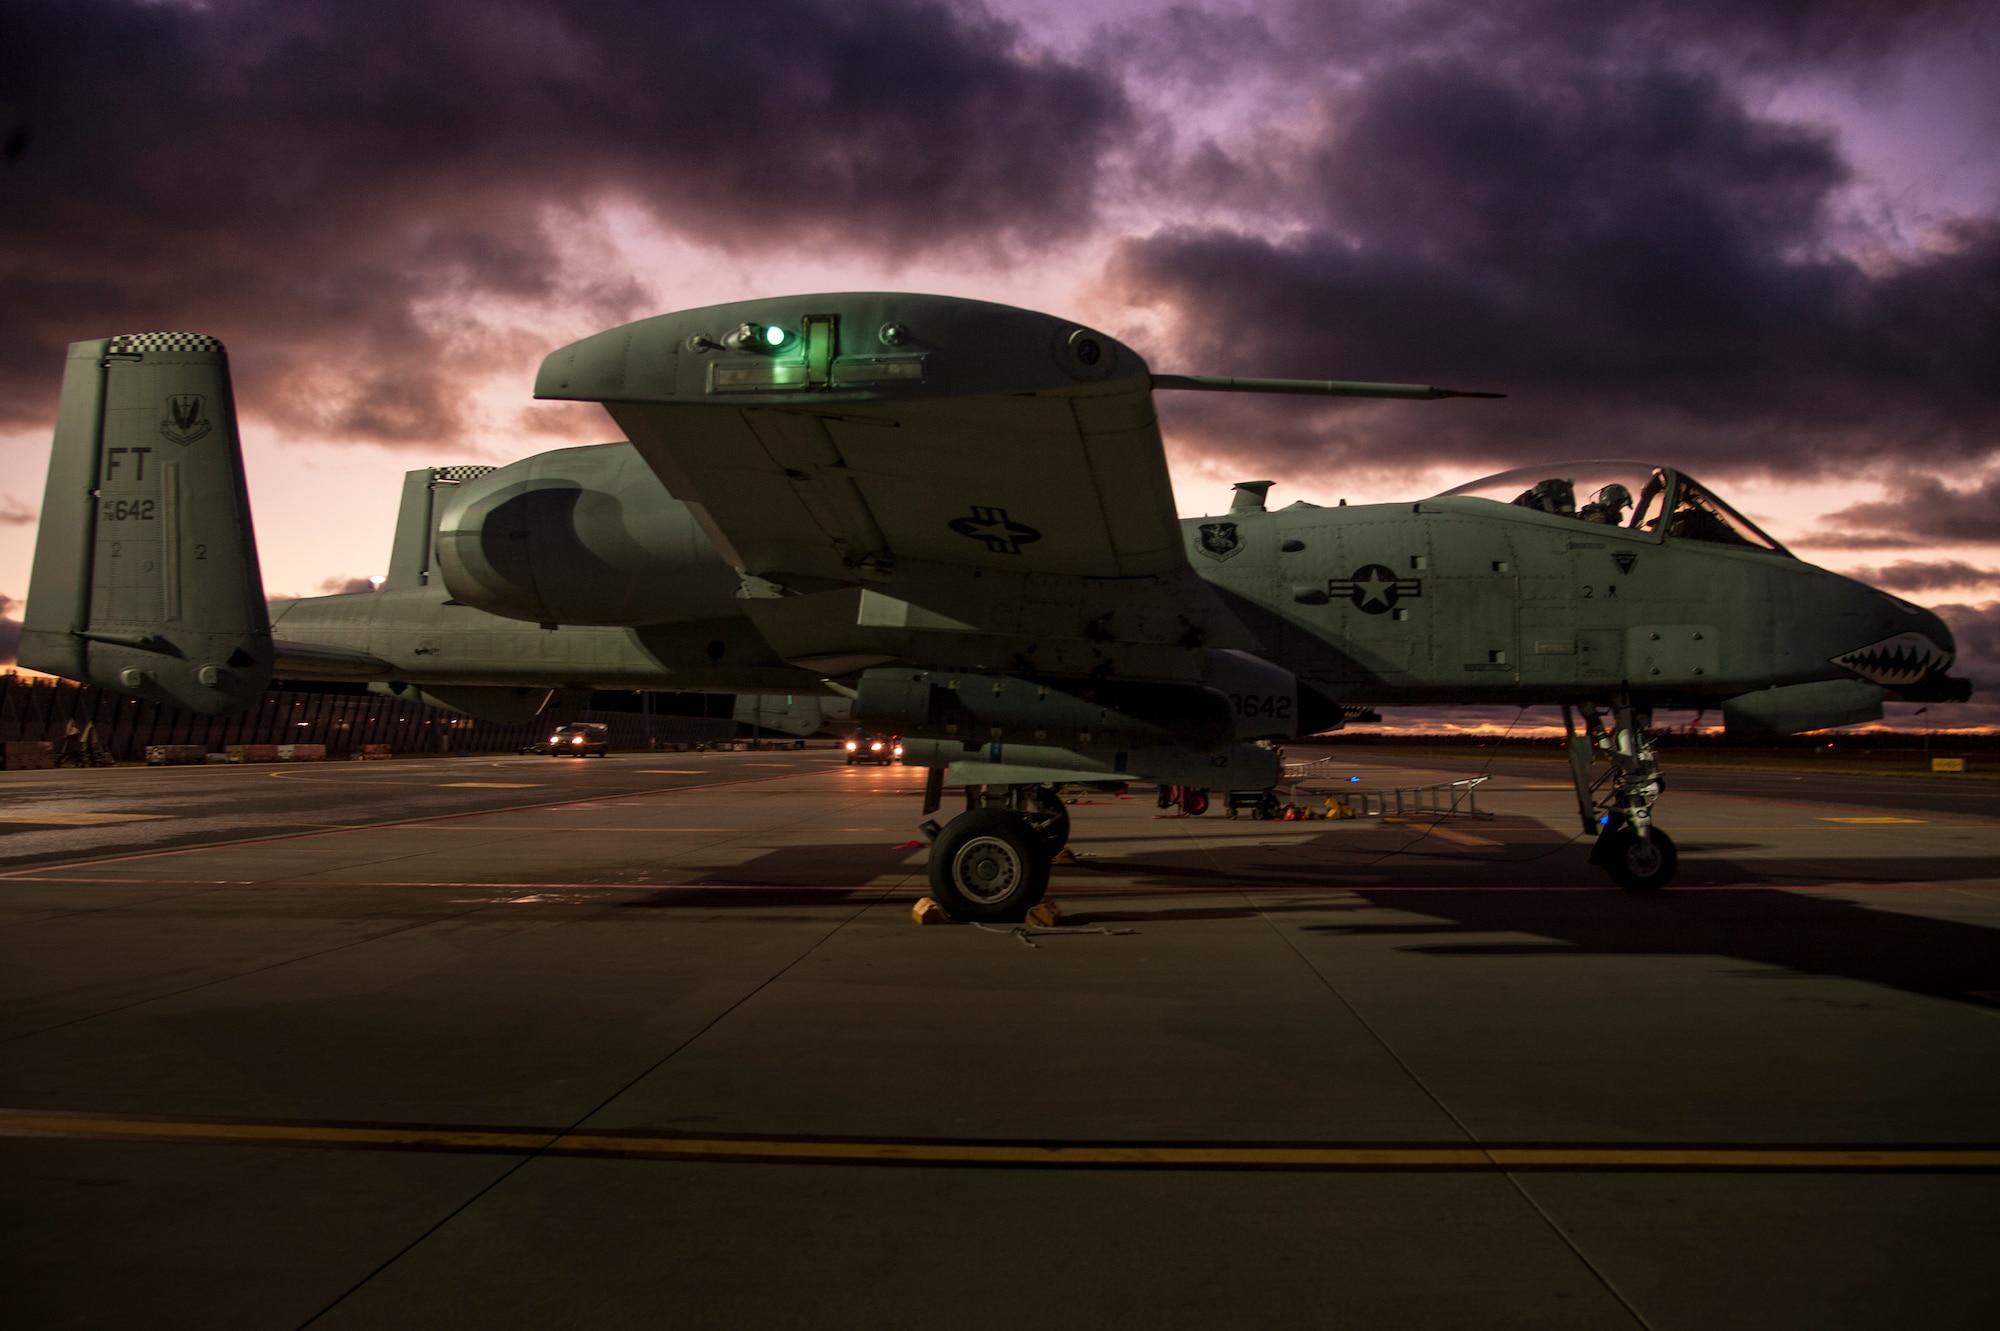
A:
(413, 557)
(410, 555)
(145, 576)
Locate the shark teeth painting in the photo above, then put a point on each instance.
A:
(1903, 659)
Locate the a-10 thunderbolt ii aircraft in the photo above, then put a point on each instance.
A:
(957, 516)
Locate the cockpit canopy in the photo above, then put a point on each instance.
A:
(1633, 495)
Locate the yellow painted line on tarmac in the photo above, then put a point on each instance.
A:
(492, 785)
(959, 1153)
(270, 1134)
(80, 819)
(1763, 1157)
(1052, 1155)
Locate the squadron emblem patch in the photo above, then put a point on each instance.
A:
(1002, 535)
(1219, 540)
(186, 423)
(1375, 589)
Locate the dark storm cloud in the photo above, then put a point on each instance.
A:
(1752, 34)
(1643, 263)
(14, 513)
(1977, 629)
(10, 630)
(1916, 575)
(304, 177)
(1921, 510)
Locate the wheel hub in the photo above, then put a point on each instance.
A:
(988, 870)
(1643, 858)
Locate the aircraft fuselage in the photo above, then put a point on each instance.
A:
(1438, 601)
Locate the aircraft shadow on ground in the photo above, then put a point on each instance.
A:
(1803, 933)
(1523, 887)
(807, 871)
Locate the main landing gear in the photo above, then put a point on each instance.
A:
(1617, 807)
(992, 861)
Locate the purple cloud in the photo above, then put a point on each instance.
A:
(1911, 575)
(1977, 629)
(304, 179)
(1631, 254)
(1924, 509)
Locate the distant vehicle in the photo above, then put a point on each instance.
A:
(580, 740)
(867, 748)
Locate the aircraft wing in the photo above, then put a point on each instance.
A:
(916, 477)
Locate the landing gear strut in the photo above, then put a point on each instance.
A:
(992, 861)
(1617, 807)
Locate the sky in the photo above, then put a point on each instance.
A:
(1759, 239)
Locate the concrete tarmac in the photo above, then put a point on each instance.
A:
(651, 1041)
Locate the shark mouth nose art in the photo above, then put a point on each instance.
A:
(1903, 659)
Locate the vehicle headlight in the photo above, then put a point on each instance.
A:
(899, 750)
(852, 746)
(577, 740)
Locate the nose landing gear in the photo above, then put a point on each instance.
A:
(1617, 807)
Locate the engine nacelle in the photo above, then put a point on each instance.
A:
(580, 536)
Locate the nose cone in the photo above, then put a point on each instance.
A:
(1906, 643)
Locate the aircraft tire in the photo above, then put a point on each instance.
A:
(1639, 869)
(988, 864)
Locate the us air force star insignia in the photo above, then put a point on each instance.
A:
(1002, 535)
(1375, 589)
(1625, 559)
(187, 423)
(1219, 540)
